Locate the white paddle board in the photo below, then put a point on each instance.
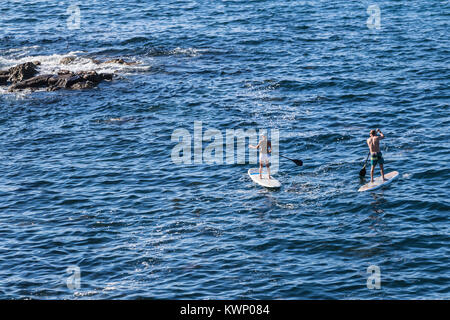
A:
(378, 182)
(265, 181)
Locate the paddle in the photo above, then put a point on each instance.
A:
(362, 172)
(297, 162)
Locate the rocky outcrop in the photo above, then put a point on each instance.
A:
(24, 77)
(83, 85)
(22, 72)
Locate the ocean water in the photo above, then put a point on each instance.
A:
(88, 182)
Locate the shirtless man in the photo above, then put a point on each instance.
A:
(375, 154)
(265, 147)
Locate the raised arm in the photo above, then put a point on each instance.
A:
(381, 134)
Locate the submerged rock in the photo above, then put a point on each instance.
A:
(83, 85)
(121, 61)
(67, 60)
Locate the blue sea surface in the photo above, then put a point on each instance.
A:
(88, 181)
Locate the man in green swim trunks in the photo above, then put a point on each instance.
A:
(375, 154)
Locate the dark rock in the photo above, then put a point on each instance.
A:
(95, 77)
(4, 79)
(52, 80)
(53, 88)
(67, 81)
(72, 80)
(91, 76)
(63, 72)
(35, 82)
(22, 72)
(107, 76)
(83, 85)
(120, 61)
(67, 60)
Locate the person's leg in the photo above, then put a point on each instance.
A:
(373, 163)
(381, 162)
(260, 169)
(382, 172)
(268, 168)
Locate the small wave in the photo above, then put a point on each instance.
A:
(431, 173)
(52, 64)
(85, 293)
(191, 52)
(134, 40)
(24, 50)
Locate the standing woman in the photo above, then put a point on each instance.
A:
(265, 147)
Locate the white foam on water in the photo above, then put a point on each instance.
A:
(21, 50)
(18, 95)
(85, 293)
(52, 64)
(187, 51)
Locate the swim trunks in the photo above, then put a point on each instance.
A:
(264, 157)
(376, 158)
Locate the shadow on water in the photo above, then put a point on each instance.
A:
(378, 203)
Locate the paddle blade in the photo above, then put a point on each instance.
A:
(362, 173)
(298, 162)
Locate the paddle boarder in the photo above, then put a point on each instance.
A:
(265, 147)
(375, 154)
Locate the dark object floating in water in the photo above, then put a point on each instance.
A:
(23, 76)
(120, 61)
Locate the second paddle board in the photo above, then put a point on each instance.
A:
(265, 181)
